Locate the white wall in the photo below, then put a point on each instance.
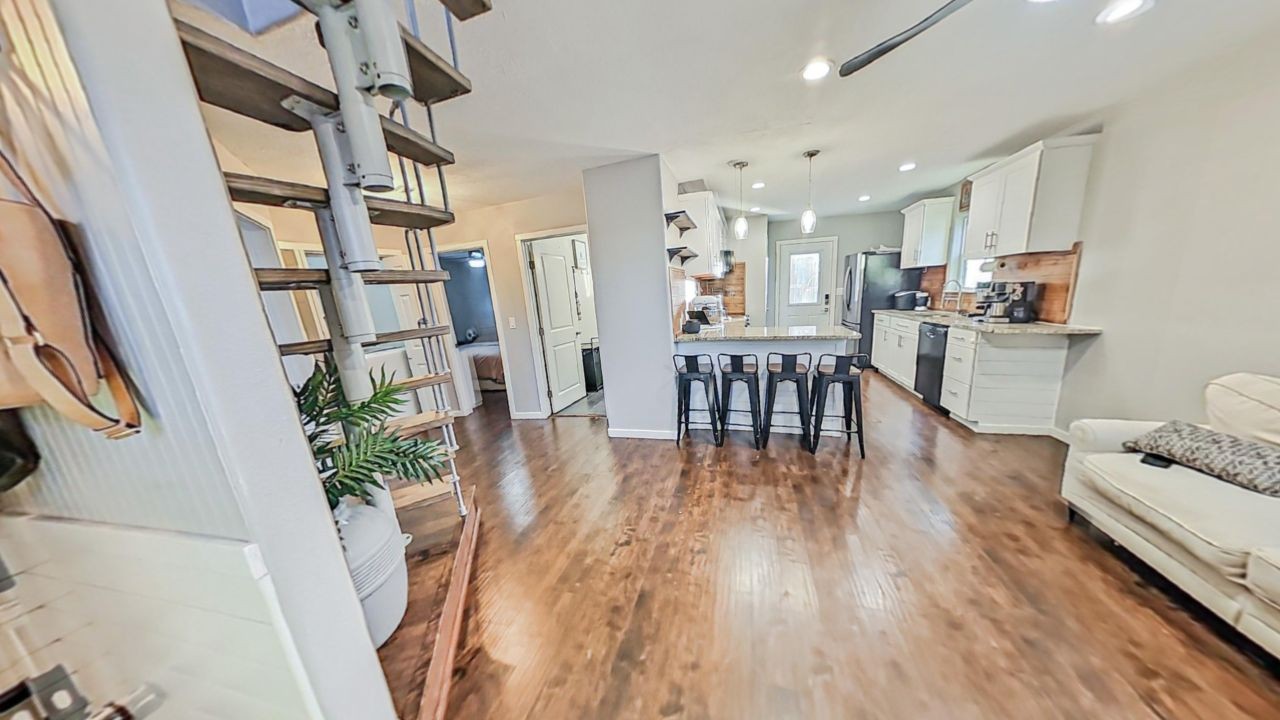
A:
(125, 156)
(753, 252)
(855, 232)
(1180, 243)
(625, 205)
(499, 224)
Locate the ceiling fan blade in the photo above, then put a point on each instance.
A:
(854, 65)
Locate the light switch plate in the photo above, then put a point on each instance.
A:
(511, 323)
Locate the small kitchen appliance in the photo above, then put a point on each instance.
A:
(712, 305)
(910, 300)
(1009, 302)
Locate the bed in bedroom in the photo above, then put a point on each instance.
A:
(485, 361)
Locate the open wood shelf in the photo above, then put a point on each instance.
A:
(467, 9)
(414, 334)
(422, 422)
(681, 220)
(404, 277)
(239, 81)
(283, 193)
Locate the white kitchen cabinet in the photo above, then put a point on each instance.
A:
(708, 238)
(1032, 201)
(926, 232)
(894, 350)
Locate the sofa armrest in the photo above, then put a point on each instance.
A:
(1107, 436)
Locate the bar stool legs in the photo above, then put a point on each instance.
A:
(702, 372)
(753, 396)
(788, 368)
(839, 370)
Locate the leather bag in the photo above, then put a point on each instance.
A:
(51, 351)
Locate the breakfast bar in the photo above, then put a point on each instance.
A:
(737, 339)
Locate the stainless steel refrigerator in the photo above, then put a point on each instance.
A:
(870, 280)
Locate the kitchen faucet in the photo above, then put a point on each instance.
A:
(958, 294)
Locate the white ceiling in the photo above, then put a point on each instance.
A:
(564, 85)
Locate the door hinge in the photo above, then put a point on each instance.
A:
(531, 266)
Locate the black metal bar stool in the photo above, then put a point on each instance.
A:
(691, 369)
(744, 369)
(780, 368)
(839, 370)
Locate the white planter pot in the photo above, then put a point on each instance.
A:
(375, 552)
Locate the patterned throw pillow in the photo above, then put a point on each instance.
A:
(1251, 465)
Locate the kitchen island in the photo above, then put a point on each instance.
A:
(793, 339)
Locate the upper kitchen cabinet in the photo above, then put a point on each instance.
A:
(1030, 202)
(708, 238)
(926, 233)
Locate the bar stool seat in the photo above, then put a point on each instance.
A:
(784, 367)
(691, 369)
(839, 370)
(743, 369)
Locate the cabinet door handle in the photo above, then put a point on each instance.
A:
(957, 358)
(953, 392)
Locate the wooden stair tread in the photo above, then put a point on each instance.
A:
(434, 79)
(467, 9)
(306, 347)
(423, 381)
(284, 193)
(413, 334)
(310, 279)
(430, 420)
(237, 80)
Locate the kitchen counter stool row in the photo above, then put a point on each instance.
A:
(812, 384)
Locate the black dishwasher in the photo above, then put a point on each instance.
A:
(931, 353)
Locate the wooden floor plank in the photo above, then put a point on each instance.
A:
(634, 579)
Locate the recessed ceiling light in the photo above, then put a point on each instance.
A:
(755, 209)
(1041, 1)
(864, 198)
(1121, 10)
(758, 185)
(817, 69)
(906, 167)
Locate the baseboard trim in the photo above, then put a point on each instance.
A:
(534, 415)
(1062, 436)
(642, 434)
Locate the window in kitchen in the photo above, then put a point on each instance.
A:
(804, 279)
(973, 273)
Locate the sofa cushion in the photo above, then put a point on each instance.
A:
(1245, 404)
(1263, 576)
(1247, 463)
(1216, 522)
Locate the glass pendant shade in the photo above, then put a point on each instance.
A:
(740, 228)
(808, 221)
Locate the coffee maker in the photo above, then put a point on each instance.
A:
(1009, 302)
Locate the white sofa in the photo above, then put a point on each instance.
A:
(1217, 541)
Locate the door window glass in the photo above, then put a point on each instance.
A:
(804, 279)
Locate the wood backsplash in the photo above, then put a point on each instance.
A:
(1054, 271)
(732, 287)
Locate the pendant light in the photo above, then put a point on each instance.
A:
(740, 226)
(809, 218)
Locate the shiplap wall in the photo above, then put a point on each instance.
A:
(169, 477)
(121, 608)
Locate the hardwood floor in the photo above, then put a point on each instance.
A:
(935, 579)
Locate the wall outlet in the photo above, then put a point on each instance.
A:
(511, 323)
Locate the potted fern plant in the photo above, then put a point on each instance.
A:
(355, 450)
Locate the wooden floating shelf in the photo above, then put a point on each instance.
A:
(467, 9)
(283, 193)
(245, 84)
(423, 381)
(299, 279)
(422, 422)
(414, 334)
(681, 220)
(684, 253)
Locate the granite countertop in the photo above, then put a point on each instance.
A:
(951, 319)
(739, 332)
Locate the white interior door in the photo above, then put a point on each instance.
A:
(806, 281)
(558, 317)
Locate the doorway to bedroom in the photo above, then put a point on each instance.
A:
(480, 373)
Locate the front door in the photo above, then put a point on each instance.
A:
(806, 281)
(558, 318)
